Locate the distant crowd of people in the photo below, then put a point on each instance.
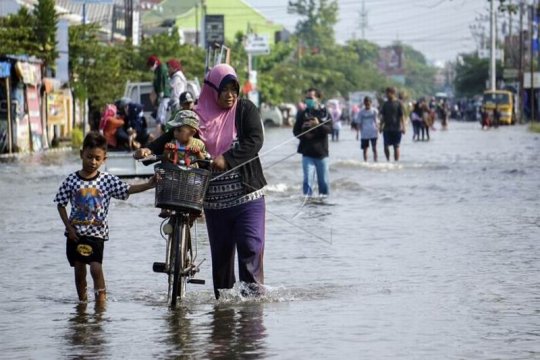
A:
(123, 122)
(315, 122)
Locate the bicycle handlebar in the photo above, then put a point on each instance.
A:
(154, 158)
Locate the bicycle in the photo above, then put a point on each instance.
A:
(180, 189)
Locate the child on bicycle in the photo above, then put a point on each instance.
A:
(185, 126)
(183, 129)
(89, 191)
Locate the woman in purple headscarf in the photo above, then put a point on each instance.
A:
(234, 204)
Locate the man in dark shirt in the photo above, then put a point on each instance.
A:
(392, 123)
(312, 127)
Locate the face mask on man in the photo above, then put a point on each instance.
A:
(310, 103)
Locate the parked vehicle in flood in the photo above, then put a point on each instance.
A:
(503, 102)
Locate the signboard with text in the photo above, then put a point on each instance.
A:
(214, 30)
(257, 44)
(527, 80)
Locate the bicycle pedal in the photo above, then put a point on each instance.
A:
(159, 267)
(197, 281)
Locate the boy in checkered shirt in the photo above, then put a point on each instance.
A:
(89, 192)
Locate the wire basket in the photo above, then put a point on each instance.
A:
(180, 188)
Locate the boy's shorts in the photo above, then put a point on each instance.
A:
(86, 250)
(364, 143)
(392, 138)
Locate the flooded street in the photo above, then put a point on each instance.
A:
(437, 257)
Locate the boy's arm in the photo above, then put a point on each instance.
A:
(72, 233)
(137, 188)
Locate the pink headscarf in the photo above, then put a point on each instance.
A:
(108, 112)
(217, 125)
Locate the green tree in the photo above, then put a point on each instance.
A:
(419, 75)
(472, 73)
(17, 34)
(167, 46)
(239, 57)
(316, 30)
(98, 71)
(271, 68)
(44, 25)
(368, 52)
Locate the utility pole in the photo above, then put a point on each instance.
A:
(492, 69)
(510, 21)
(203, 27)
(84, 13)
(197, 24)
(363, 20)
(520, 72)
(534, 42)
(128, 19)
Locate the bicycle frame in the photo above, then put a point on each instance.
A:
(180, 260)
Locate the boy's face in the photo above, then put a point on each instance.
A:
(184, 133)
(92, 159)
(367, 104)
(187, 106)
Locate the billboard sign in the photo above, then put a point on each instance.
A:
(257, 44)
(214, 30)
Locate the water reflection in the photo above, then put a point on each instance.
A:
(237, 332)
(85, 332)
(180, 334)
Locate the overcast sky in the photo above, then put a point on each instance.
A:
(437, 28)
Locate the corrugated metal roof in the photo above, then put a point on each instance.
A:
(100, 13)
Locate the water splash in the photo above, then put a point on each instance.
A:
(246, 293)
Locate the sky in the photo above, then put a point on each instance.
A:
(437, 28)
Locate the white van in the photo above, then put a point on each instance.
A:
(271, 116)
(140, 92)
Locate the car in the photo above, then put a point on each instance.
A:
(141, 92)
(271, 116)
(288, 112)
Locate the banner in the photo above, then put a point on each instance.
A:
(29, 73)
(56, 109)
(34, 118)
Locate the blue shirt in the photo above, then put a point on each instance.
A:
(367, 123)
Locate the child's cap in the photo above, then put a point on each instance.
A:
(185, 117)
(186, 97)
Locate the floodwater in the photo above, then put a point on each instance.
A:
(437, 257)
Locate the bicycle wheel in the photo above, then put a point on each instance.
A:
(179, 251)
(173, 255)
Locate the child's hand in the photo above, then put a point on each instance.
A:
(142, 153)
(72, 234)
(219, 163)
(152, 181)
(195, 150)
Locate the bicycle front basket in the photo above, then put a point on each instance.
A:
(180, 188)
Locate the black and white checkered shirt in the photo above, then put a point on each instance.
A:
(90, 199)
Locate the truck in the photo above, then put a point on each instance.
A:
(503, 101)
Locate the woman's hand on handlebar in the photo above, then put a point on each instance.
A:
(142, 153)
(219, 163)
